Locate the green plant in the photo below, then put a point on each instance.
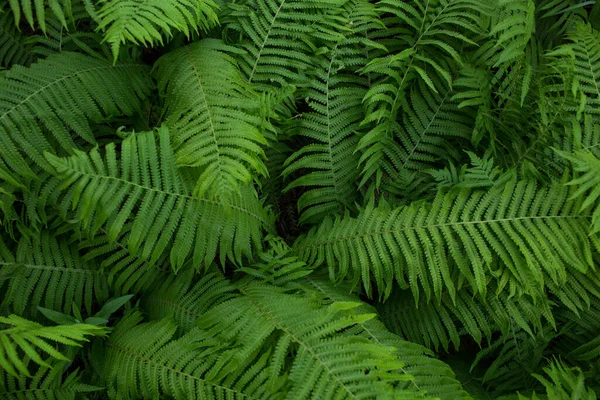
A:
(299, 199)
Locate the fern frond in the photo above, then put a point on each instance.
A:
(46, 384)
(147, 361)
(278, 37)
(13, 49)
(335, 98)
(436, 35)
(512, 359)
(124, 272)
(60, 8)
(428, 246)
(61, 94)
(430, 374)
(48, 271)
(444, 323)
(564, 382)
(144, 22)
(22, 339)
(142, 184)
(428, 121)
(213, 115)
(327, 363)
(513, 28)
(185, 301)
(587, 184)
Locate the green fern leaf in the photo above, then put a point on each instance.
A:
(144, 22)
(424, 246)
(61, 94)
(141, 184)
(23, 338)
(213, 115)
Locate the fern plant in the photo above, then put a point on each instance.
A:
(299, 199)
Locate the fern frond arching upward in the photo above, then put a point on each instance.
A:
(61, 94)
(21, 340)
(142, 184)
(214, 117)
(145, 22)
(427, 246)
(335, 97)
(48, 271)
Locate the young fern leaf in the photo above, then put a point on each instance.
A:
(60, 9)
(22, 339)
(213, 116)
(49, 272)
(145, 22)
(147, 361)
(142, 184)
(61, 94)
(513, 29)
(335, 97)
(427, 246)
(277, 37)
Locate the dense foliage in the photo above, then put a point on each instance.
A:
(299, 199)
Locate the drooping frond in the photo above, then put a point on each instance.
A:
(61, 94)
(278, 37)
(213, 115)
(21, 341)
(436, 325)
(46, 383)
(60, 8)
(327, 165)
(146, 22)
(141, 184)
(537, 233)
(48, 271)
(587, 184)
(12, 44)
(147, 361)
(57, 39)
